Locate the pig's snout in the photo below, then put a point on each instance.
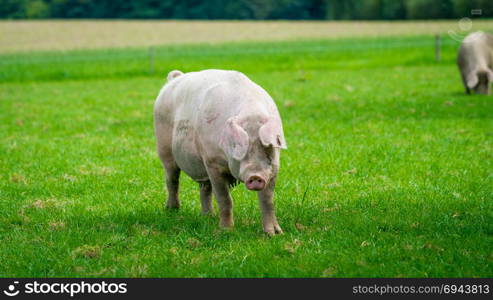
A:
(255, 183)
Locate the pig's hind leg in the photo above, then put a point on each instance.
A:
(172, 171)
(206, 197)
(172, 183)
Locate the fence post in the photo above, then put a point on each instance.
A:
(151, 60)
(438, 47)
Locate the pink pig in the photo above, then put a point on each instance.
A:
(475, 61)
(219, 127)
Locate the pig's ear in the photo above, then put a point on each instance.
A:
(472, 80)
(234, 140)
(271, 134)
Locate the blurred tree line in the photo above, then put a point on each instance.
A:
(245, 9)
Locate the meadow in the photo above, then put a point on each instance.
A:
(388, 171)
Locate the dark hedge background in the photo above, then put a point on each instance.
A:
(245, 9)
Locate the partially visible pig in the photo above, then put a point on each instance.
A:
(475, 61)
(219, 127)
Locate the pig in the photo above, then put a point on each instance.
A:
(220, 128)
(475, 61)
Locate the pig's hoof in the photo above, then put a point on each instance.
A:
(276, 229)
(207, 212)
(226, 224)
(172, 205)
(226, 229)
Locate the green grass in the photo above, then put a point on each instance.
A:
(389, 170)
(348, 54)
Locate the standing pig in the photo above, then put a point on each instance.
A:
(220, 128)
(475, 61)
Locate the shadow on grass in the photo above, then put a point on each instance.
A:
(171, 224)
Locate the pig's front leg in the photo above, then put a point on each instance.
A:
(269, 220)
(220, 187)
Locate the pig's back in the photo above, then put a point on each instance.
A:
(219, 94)
(476, 51)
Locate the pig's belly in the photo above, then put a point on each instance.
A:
(186, 155)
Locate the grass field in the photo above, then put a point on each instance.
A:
(389, 171)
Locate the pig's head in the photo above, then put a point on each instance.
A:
(252, 146)
(481, 82)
